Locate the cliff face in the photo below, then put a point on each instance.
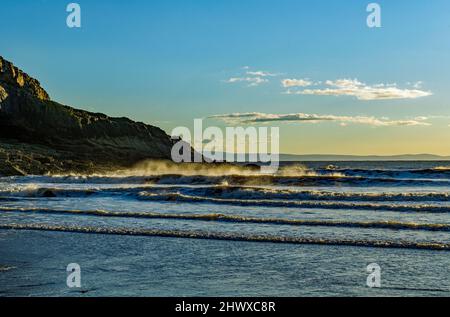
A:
(38, 135)
(13, 78)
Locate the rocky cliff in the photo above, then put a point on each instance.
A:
(38, 135)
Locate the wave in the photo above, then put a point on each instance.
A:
(269, 180)
(179, 197)
(150, 168)
(394, 225)
(246, 192)
(188, 234)
(441, 168)
(236, 186)
(227, 191)
(166, 172)
(153, 168)
(439, 172)
(46, 192)
(396, 170)
(244, 195)
(6, 268)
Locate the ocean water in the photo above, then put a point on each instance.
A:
(310, 230)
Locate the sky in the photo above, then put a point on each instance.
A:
(313, 68)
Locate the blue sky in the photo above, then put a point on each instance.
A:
(166, 62)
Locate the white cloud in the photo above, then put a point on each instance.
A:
(252, 81)
(287, 83)
(254, 78)
(355, 88)
(339, 87)
(260, 73)
(257, 117)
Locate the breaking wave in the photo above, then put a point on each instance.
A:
(246, 180)
(178, 197)
(439, 172)
(153, 168)
(243, 195)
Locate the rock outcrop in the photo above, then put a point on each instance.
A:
(38, 135)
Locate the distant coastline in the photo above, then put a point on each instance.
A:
(357, 158)
(332, 157)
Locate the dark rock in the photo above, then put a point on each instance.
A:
(38, 135)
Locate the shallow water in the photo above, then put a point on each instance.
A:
(312, 232)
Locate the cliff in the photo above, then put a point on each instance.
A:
(38, 135)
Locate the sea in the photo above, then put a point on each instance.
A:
(311, 229)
